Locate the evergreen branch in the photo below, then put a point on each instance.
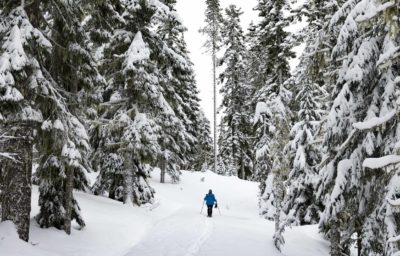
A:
(115, 102)
(339, 152)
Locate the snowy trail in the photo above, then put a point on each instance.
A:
(236, 236)
(182, 234)
(172, 226)
(237, 231)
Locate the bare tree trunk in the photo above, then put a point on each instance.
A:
(162, 173)
(69, 187)
(16, 177)
(69, 183)
(242, 167)
(214, 60)
(335, 237)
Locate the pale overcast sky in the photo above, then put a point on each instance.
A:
(192, 14)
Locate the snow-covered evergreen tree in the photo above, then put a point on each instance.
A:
(235, 148)
(308, 82)
(203, 158)
(301, 205)
(144, 119)
(21, 82)
(361, 101)
(126, 136)
(179, 86)
(272, 113)
(64, 149)
(39, 107)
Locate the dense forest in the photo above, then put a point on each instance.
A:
(107, 86)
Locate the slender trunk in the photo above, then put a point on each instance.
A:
(242, 167)
(16, 176)
(69, 182)
(277, 218)
(234, 168)
(69, 187)
(359, 242)
(128, 179)
(162, 173)
(215, 104)
(278, 197)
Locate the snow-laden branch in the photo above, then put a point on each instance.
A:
(261, 108)
(373, 11)
(377, 163)
(394, 239)
(9, 156)
(375, 122)
(394, 202)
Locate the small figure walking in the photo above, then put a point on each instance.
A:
(210, 200)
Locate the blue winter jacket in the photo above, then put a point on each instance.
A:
(210, 199)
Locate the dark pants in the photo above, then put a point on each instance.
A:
(209, 210)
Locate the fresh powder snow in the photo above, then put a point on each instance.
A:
(173, 226)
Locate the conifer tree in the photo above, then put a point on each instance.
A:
(125, 138)
(235, 146)
(21, 82)
(30, 77)
(355, 129)
(203, 158)
(301, 204)
(308, 82)
(272, 112)
(65, 146)
(180, 87)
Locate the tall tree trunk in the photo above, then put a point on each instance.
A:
(69, 182)
(69, 187)
(278, 197)
(359, 241)
(335, 237)
(128, 179)
(16, 176)
(242, 167)
(214, 60)
(162, 173)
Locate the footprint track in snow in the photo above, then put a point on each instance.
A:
(207, 231)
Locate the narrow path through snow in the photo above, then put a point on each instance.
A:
(207, 231)
(238, 231)
(182, 234)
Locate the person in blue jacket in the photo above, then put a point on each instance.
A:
(210, 200)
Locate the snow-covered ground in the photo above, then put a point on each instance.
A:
(173, 226)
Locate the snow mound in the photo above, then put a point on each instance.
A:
(11, 245)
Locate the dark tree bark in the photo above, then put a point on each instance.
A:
(69, 187)
(16, 179)
(335, 237)
(162, 173)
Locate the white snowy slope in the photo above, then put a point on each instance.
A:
(173, 226)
